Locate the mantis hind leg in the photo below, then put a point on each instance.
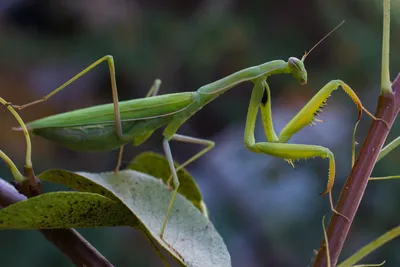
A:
(117, 118)
(152, 92)
(111, 66)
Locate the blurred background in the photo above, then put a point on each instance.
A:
(268, 213)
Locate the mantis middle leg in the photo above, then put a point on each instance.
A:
(175, 181)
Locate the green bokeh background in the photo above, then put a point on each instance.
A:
(268, 213)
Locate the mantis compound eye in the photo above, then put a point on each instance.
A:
(295, 63)
(298, 70)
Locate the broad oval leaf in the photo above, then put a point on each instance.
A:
(189, 236)
(157, 165)
(65, 210)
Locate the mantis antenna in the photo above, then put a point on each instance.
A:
(320, 41)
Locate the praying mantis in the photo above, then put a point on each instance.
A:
(111, 126)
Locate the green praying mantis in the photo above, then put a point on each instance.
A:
(111, 126)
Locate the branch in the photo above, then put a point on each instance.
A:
(68, 241)
(353, 191)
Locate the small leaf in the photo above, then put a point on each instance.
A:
(156, 165)
(74, 181)
(371, 247)
(189, 236)
(65, 210)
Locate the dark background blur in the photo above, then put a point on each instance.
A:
(268, 213)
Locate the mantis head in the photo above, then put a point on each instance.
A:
(297, 69)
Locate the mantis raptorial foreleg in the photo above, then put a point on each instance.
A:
(288, 152)
(306, 116)
(276, 145)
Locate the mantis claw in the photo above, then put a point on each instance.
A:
(385, 122)
(375, 118)
(341, 215)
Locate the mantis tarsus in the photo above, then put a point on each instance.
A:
(111, 126)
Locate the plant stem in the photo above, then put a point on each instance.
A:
(353, 191)
(385, 80)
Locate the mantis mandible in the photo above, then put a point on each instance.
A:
(111, 126)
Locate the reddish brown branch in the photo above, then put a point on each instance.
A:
(68, 241)
(353, 191)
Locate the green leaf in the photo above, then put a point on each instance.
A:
(371, 247)
(75, 182)
(65, 210)
(189, 236)
(157, 166)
